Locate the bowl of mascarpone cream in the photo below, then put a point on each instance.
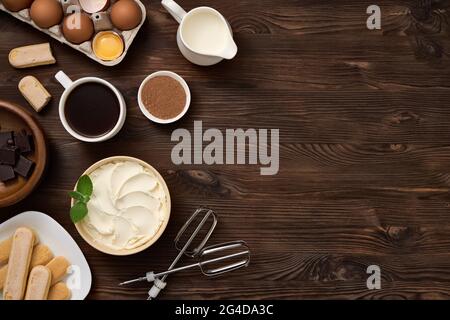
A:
(129, 207)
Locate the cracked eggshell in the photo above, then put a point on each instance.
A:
(93, 6)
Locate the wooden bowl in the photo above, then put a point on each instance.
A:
(14, 118)
(81, 227)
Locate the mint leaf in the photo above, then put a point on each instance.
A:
(76, 195)
(85, 186)
(78, 212)
(82, 196)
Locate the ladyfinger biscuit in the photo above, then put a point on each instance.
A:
(31, 56)
(5, 249)
(59, 291)
(38, 283)
(34, 92)
(58, 266)
(19, 264)
(3, 271)
(41, 256)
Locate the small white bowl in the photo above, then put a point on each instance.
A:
(183, 84)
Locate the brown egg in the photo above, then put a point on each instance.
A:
(126, 14)
(16, 5)
(46, 13)
(78, 33)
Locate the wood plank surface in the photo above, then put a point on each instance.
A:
(364, 123)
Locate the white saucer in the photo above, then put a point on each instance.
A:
(52, 234)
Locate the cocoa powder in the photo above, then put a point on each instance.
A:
(163, 97)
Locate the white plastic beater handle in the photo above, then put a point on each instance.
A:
(158, 285)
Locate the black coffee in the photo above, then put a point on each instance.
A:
(92, 109)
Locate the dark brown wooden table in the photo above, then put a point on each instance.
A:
(364, 176)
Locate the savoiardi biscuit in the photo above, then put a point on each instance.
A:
(3, 271)
(5, 249)
(31, 56)
(34, 92)
(58, 266)
(18, 264)
(38, 283)
(41, 256)
(59, 291)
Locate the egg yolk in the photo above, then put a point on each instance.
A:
(108, 46)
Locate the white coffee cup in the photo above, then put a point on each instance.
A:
(204, 36)
(69, 86)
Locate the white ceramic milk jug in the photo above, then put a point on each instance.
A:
(204, 36)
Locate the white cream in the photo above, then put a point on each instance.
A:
(205, 32)
(127, 207)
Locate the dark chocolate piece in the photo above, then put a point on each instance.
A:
(23, 141)
(24, 167)
(9, 155)
(5, 138)
(6, 173)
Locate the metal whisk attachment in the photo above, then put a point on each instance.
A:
(207, 222)
(198, 229)
(190, 241)
(233, 255)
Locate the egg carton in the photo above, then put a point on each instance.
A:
(98, 19)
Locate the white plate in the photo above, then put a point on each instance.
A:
(53, 235)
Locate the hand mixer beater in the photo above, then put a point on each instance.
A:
(213, 260)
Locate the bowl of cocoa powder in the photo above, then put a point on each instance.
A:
(164, 97)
